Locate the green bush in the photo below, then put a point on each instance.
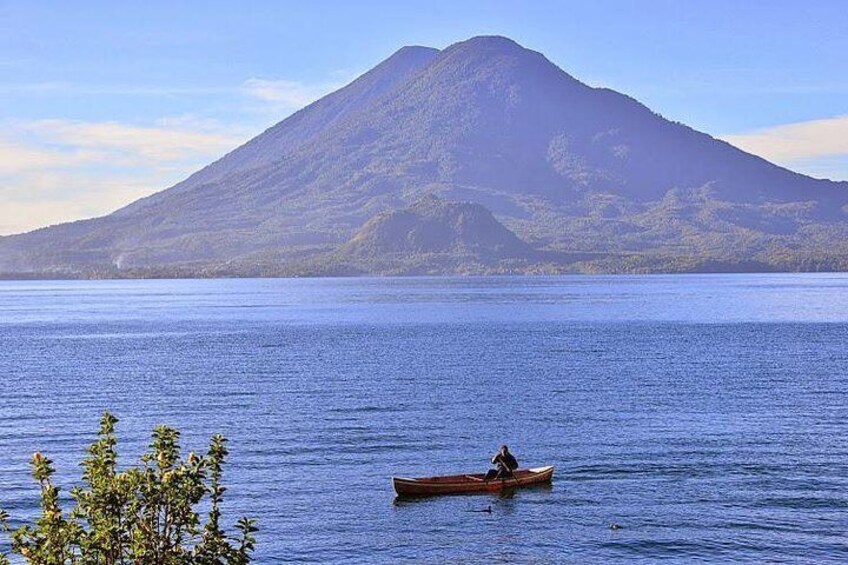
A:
(144, 515)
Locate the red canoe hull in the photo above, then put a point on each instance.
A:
(471, 483)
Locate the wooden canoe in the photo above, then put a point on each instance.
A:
(471, 483)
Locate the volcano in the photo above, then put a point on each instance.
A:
(525, 168)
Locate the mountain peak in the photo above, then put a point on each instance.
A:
(410, 50)
(410, 55)
(492, 46)
(497, 42)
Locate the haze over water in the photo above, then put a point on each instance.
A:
(705, 414)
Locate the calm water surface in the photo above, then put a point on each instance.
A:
(706, 415)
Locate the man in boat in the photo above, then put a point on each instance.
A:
(506, 464)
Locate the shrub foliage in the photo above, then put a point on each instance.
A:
(143, 515)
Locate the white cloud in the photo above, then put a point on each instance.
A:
(833, 167)
(65, 89)
(788, 143)
(63, 170)
(40, 199)
(146, 143)
(17, 157)
(287, 93)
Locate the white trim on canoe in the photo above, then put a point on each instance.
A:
(541, 469)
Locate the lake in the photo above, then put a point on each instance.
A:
(704, 414)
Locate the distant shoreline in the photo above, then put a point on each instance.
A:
(200, 276)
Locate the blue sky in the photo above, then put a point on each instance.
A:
(104, 102)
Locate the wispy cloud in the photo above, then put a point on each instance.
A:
(136, 143)
(292, 93)
(801, 140)
(817, 147)
(62, 170)
(42, 198)
(287, 93)
(60, 88)
(18, 157)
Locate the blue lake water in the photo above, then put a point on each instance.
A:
(706, 415)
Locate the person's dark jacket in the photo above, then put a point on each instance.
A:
(507, 460)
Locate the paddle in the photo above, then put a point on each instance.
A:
(498, 459)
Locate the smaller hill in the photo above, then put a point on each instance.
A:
(435, 226)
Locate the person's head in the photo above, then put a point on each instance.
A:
(504, 449)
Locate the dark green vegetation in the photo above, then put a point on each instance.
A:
(588, 179)
(143, 515)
